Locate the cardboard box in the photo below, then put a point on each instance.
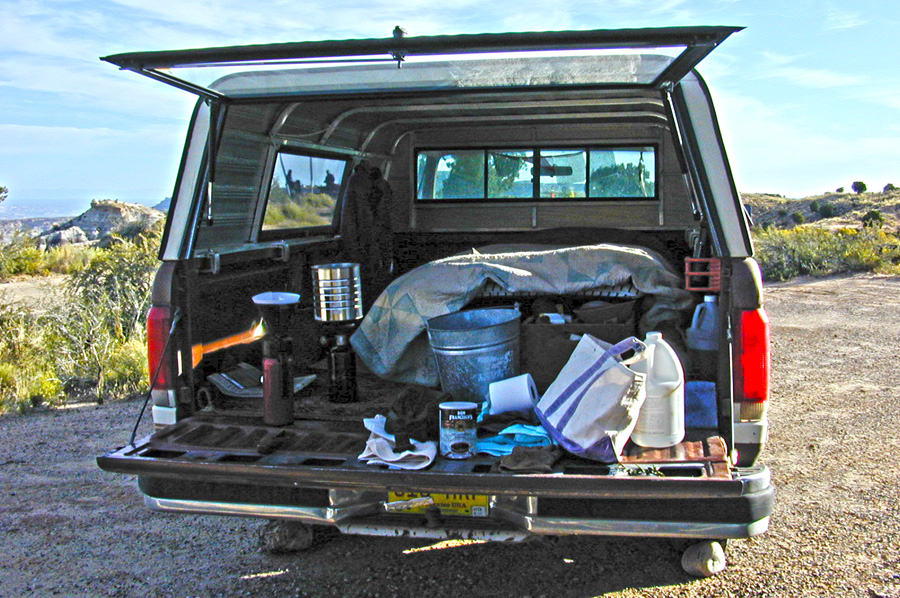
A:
(547, 347)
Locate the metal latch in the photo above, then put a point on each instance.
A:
(282, 251)
(212, 263)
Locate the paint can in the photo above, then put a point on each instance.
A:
(458, 432)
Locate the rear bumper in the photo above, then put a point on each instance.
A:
(510, 517)
(310, 472)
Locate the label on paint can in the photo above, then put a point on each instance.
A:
(458, 429)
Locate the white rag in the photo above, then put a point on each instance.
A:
(380, 448)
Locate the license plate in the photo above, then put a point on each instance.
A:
(469, 505)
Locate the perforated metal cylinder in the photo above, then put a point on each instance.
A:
(337, 292)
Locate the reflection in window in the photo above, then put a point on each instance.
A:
(510, 173)
(451, 175)
(537, 174)
(304, 192)
(563, 173)
(623, 172)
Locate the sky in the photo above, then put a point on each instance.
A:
(808, 95)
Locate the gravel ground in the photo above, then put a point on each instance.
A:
(69, 529)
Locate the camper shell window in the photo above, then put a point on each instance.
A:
(303, 193)
(537, 174)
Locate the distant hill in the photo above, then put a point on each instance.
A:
(104, 218)
(30, 227)
(163, 206)
(827, 209)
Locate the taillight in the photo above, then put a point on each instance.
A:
(159, 322)
(752, 357)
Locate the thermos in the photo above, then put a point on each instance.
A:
(342, 371)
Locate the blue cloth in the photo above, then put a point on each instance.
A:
(700, 405)
(513, 436)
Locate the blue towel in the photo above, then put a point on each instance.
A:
(513, 436)
(700, 405)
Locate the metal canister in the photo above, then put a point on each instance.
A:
(337, 292)
(458, 434)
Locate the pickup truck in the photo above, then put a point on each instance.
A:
(394, 154)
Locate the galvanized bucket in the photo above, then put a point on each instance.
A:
(474, 348)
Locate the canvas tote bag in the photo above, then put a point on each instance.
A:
(593, 405)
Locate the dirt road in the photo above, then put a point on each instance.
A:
(68, 529)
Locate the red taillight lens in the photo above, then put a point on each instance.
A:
(159, 321)
(753, 356)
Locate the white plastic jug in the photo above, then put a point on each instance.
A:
(703, 335)
(661, 421)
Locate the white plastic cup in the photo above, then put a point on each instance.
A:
(513, 394)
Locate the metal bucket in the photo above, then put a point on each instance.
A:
(337, 292)
(474, 348)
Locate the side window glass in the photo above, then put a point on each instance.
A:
(450, 175)
(303, 192)
(510, 173)
(563, 173)
(623, 172)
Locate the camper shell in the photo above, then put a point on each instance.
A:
(612, 138)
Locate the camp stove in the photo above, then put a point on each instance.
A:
(337, 302)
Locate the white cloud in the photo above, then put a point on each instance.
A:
(837, 18)
(790, 68)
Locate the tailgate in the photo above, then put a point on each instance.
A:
(323, 455)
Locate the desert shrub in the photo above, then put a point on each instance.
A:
(20, 256)
(96, 333)
(814, 206)
(873, 219)
(27, 377)
(116, 282)
(889, 187)
(68, 259)
(839, 190)
(785, 254)
(798, 218)
(782, 213)
(826, 210)
(127, 368)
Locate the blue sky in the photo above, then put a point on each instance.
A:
(808, 95)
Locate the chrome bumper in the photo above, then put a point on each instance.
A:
(512, 518)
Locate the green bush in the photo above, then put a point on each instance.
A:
(826, 210)
(27, 377)
(96, 332)
(798, 218)
(127, 368)
(814, 206)
(785, 254)
(873, 219)
(20, 256)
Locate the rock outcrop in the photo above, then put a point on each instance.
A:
(105, 217)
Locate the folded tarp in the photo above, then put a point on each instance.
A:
(392, 341)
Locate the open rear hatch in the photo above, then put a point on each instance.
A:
(213, 72)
